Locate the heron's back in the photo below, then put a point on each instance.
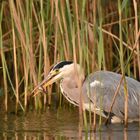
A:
(105, 83)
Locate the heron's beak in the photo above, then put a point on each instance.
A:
(50, 79)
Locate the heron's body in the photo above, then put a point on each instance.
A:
(97, 90)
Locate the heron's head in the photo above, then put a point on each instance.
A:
(60, 70)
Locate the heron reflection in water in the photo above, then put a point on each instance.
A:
(98, 87)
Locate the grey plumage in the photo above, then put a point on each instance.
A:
(109, 82)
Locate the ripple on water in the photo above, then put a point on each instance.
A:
(58, 124)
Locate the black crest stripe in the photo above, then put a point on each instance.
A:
(61, 64)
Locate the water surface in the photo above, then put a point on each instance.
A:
(62, 124)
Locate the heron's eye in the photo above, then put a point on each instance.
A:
(56, 70)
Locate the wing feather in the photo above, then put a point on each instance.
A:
(103, 85)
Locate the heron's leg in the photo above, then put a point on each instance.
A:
(108, 117)
(111, 118)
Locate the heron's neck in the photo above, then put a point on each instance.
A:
(70, 87)
(75, 80)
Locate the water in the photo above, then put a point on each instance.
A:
(60, 124)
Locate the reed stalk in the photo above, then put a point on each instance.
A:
(3, 64)
(136, 33)
(101, 57)
(137, 45)
(16, 72)
(94, 57)
(122, 63)
(45, 46)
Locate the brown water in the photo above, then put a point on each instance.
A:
(58, 125)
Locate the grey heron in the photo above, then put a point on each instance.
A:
(97, 89)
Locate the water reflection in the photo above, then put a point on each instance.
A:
(56, 125)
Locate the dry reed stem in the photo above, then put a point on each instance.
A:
(137, 45)
(5, 92)
(4, 79)
(116, 22)
(5, 83)
(27, 42)
(113, 100)
(32, 61)
(15, 69)
(125, 131)
(115, 37)
(26, 71)
(136, 32)
(66, 41)
(94, 119)
(121, 54)
(77, 25)
(56, 32)
(94, 23)
(44, 42)
(125, 103)
(3, 64)
(17, 22)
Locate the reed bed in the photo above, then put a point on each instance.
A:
(34, 35)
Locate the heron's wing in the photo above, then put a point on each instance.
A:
(103, 85)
